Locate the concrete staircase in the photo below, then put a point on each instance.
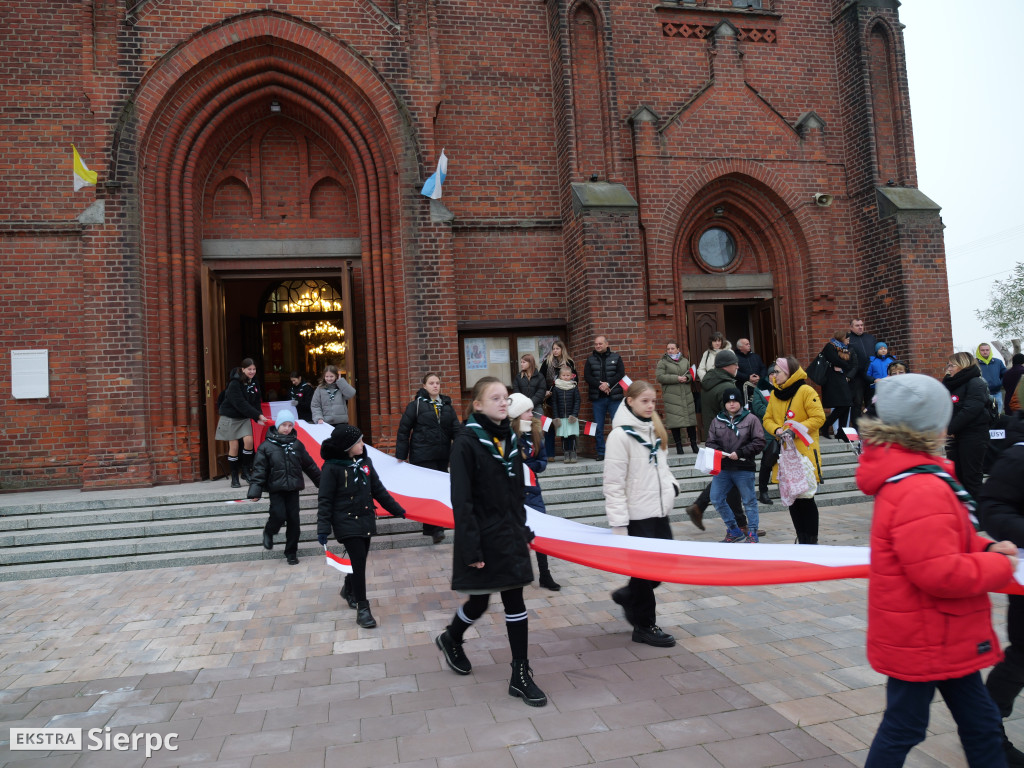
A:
(68, 533)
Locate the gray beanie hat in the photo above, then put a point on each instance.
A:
(726, 357)
(914, 401)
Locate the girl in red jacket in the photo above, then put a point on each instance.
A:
(929, 617)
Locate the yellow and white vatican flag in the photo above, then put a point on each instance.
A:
(83, 176)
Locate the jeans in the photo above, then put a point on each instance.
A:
(722, 483)
(733, 498)
(603, 406)
(905, 722)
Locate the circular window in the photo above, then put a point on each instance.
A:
(717, 248)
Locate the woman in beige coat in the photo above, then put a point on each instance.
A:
(639, 492)
(673, 374)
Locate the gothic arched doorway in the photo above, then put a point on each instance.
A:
(267, 151)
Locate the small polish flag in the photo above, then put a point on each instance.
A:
(529, 477)
(590, 428)
(716, 462)
(800, 431)
(693, 372)
(624, 382)
(338, 563)
(545, 423)
(851, 433)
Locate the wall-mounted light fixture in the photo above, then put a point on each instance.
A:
(275, 106)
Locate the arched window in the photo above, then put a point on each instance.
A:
(302, 296)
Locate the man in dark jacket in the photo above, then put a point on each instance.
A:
(860, 384)
(603, 372)
(751, 368)
(1001, 511)
(715, 383)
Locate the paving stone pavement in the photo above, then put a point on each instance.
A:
(258, 664)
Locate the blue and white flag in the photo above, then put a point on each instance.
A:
(432, 187)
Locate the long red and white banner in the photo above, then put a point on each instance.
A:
(426, 496)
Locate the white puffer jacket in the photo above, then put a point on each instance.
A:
(635, 488)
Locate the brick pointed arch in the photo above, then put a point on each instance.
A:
(188, 108)
(770, 216)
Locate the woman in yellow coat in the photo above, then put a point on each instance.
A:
(794, 399)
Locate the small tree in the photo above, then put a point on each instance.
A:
(1005, 313)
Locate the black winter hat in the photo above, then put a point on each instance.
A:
(345, 436)
(726, 357)
(732, 395)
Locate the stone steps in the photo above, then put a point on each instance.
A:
(195, 524)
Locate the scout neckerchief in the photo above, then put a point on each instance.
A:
(251, 388)
(286, 443)
(357, 463)
(494, 446)
(332, 390)
(436, 404)
(961, 493)
(733, 424)
(652, 447)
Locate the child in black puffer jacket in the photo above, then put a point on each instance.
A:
(350, 486)
(278, 467)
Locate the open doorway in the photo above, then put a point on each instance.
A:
(285, 322)
(755, 319)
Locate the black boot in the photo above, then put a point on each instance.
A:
(453, 653)
(547, 582)
(346, 592)
(522, 684)
(233, 463)
(363, 616)
(764, 498)
(246, 464)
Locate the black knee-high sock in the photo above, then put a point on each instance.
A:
(518, 628)
(468, 612)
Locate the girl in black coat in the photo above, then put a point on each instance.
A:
(530, 382)
(280, 462)
(968, 429)
(301, 395)
(240, 403)
(425, 434)
(348, 486)
(836, 392)
(491, 551)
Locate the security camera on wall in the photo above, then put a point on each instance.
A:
(820, 198)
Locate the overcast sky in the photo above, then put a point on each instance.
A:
(964, 61)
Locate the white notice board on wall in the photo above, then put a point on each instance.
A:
(30, 373)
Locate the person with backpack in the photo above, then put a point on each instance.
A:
(929, 615)
(969, 424)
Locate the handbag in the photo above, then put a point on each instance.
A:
(797, 479)
(817, 371)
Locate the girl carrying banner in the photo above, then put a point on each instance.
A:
(491, 552)
(639, 492)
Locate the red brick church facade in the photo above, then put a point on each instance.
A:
(647, 170)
